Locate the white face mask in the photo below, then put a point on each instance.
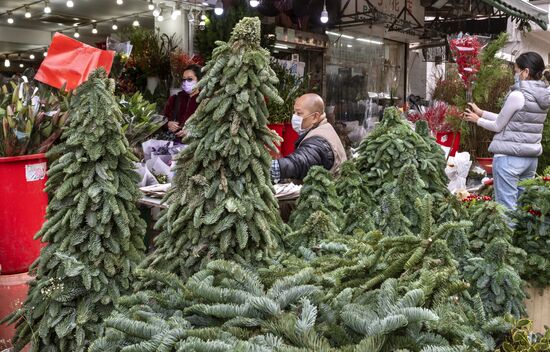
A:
(188, 86)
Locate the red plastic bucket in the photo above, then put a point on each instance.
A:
(13, 292)
(279, 128)
(22, 210)
(446, 139)
(290, 137)
(486, 164)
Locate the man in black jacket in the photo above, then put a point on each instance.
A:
(318, 143)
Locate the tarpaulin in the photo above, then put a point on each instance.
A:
(70, 62)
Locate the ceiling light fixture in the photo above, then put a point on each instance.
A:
(114, 26)
(70, 3)
(10, 18)
(151, 6)
(156, 11)
(136, 22)
(76, 34)
(45, 53)
(119, 2)
(177, 9)
(324, 13)
(31, 56)
(254, 3)
(203, 16)
(94, 28)
(21, 65)
(47, 8)
(160, 17)
(27, 12)
(7, 62)
(218, 10)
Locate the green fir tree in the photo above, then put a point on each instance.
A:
(93, 228)
(394, 144)
(435, 153)
(532, 232)
(317, 194)
(222, 204)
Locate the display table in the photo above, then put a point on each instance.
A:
(286, 193)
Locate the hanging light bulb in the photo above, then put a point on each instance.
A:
(218, 10)
(47, 8)
(114, 26)
(21, 65)
(324, 13)
(27, 12)
(151, 6)
(7, 62)
(203, 17)
(156, 11)
(160, 17)
(94, 28)
(45, 53)
(10, 18)
(119, 2)
(76, 34)
(31, 56)
(173, 15)
(191, 16)
(70, 3)
(254, 3)
(136, 22)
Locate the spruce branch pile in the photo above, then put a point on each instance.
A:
(317, 194)
(394, 144)
(93, 228)
(222, 204)
(532, 232)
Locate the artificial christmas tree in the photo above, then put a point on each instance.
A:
(93, 229)
(222, 204)
(532, 232)
(317, 194)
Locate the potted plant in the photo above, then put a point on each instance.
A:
(32, 118)
(290, 87)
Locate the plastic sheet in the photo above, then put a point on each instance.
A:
(70, 62)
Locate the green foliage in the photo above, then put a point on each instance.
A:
(140, 119)
(394, 144)
(290, 88)
(532, 232)
(317, 194)
(218, 28)
(498, 283)
(32, 118)
(522, 339)
(544, 159)
(94, 232)
(222, 204)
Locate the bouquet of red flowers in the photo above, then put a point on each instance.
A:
(465, 50)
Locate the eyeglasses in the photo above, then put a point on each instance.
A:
(188, 79)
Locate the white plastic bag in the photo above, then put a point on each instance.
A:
(457, 171)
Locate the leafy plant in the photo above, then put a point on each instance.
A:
(544, 159)
(290, 87)
(140, 120)
(32, 118)
(522, 339)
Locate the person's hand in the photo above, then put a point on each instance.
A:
(181, 133)
(470, 116)
(173, 126)
(475, 109)
(194, 92)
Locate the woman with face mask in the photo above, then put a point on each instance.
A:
(182, 105)
(519, 125)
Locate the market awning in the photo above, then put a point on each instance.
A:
(521, 10)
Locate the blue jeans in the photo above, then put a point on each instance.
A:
(507, 172)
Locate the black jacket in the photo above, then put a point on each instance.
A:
(311, 152)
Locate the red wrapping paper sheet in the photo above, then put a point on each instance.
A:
(70, 61)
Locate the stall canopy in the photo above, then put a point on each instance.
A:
(522, 10)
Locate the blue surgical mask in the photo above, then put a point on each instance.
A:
(297, 123)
